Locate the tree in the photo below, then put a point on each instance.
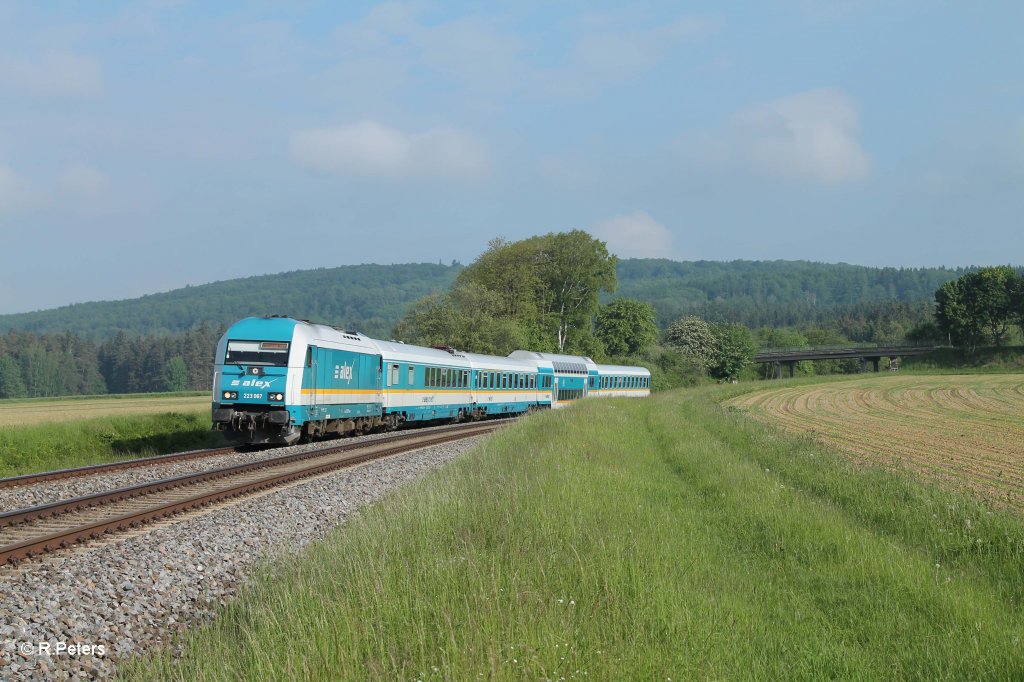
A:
(575, 268)
(954, 316)
(175, 374)
(992, 292)
(11, 383)
(1017, 300)
(734, 350)
(541, 293)
(626, 326)
(976, 307)
(692, 336)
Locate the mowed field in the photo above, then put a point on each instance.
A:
(27, 412)
(966, 431)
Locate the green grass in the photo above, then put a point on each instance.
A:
(664, 538)
(102, 396)
(47, 446)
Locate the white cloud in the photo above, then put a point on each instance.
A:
(370, 149)
(636, 235)
(62, 74)
(83, 181)
(809, 136)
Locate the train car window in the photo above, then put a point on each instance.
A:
(412, 375)
(309, 356)
(393, 376)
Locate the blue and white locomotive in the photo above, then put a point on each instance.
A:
(278, 380)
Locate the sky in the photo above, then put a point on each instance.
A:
(146, 146)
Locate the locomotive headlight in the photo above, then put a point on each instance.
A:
(276, 396)
(230, 395)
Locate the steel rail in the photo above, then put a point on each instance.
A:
(28, 479)
(32, 546)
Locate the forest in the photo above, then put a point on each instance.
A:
(166, 341)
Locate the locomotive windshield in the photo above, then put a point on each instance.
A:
(268, 353)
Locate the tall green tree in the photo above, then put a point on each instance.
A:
(575, 269)
(626, 326)
(11, 383)
(977, 307)
(175, 374)
(692, 337)
(734, 350)
(542, 293)
(993, 293)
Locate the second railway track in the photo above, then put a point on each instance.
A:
(93, 469)
(26, 533)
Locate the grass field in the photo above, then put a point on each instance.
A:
(967, 431)
(42, 435)
(669, 538)
(51, 410)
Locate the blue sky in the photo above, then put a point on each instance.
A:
(149, 145)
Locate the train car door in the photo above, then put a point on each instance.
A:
(313, 365)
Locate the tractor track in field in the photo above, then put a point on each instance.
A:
(966, 431)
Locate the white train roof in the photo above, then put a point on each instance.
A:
(623, 370)
(570, 364)
(501, 364)
(394, 351)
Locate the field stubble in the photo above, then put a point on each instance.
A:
(966, 431)
(26, 412)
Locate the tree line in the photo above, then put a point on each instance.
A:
(45, 365)
(560, 292)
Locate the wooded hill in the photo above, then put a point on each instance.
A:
(372, 298)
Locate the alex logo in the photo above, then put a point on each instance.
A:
(253, 383)
(343, 372)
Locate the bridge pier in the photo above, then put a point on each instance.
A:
(864, 363)
(790, 364)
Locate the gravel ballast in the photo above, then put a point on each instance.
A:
(129, 596)
(21, 497)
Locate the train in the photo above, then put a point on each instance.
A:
(279, 381)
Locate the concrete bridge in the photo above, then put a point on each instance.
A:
(873, 353)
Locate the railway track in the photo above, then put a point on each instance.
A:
(27, 533)
(29, 479)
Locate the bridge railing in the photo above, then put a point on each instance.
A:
(848, 346)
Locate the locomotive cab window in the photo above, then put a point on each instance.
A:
(265, 353)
